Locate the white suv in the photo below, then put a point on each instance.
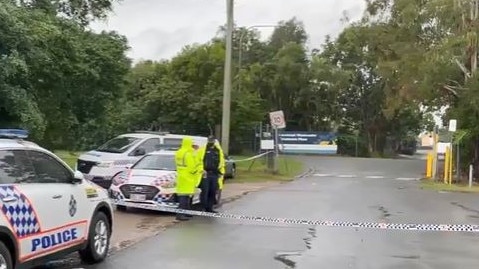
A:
(101, 164)
(48, 209)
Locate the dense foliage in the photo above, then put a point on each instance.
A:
(373, 83)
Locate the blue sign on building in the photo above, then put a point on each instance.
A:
(307, 142)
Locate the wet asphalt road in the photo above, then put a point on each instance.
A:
(344, 189)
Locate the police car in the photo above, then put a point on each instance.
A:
(47, 209)
(114, 156)
(149, 184)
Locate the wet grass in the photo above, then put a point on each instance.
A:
(257, 170)
(429, 184)
(70, 157)
(247, 171)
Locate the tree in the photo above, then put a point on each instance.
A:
(185, 94)
(59, 78)
(80, 11)
(434, 51)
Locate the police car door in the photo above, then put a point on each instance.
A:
(56, 213)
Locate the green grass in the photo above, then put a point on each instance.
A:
(429, 184)
(247, 171)
(68, 156)
(257, 171)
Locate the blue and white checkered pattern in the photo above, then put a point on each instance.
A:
(20, 214)
(160, 198)
(469, 228)
(118, 195)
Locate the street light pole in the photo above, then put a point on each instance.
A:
(225, 124)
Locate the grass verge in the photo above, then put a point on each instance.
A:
(70, 157)
(247, 171)
(429, 184)
(257, 171)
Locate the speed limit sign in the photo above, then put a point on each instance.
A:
(277, 119)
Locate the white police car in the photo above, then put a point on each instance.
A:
(149, 184)
(47, 209)
(123, 151)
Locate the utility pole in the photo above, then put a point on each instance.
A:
(225, 123)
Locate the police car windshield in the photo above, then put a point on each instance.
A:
(118, 144)
(156, 162)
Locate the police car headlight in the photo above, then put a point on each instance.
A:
(105, 164)
(119, 179)
(168, 185)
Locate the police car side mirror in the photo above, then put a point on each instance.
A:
(139, 152)
(77, 177)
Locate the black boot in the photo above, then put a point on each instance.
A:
(190, 205)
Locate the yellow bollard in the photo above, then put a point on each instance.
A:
(429, 160)
(451, 165)
(446, 166)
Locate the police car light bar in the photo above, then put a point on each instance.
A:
(14, 133)
(152, 132)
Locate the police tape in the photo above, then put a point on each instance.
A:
(253, 157)
(469, 228)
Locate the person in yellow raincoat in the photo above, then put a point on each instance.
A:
(199, 169)
(187, 175)
(212, 161)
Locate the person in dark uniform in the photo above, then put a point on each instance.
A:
(213, 161)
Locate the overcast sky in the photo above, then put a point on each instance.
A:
(158, 29)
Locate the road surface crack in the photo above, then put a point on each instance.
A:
(285, 258)
(312, 235)
(384, 212)
(465, 208)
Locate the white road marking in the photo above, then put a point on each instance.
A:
(322, 175)
(406, 178)
(346, 175)
(375, 177)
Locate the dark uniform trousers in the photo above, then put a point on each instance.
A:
(209, 188)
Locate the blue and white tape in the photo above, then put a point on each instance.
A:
(469, 228)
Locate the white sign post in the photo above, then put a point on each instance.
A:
(452, 125)
(452, 129)
(277, 122)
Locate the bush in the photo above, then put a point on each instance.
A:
(347, 145)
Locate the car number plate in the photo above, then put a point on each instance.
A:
(138, 197)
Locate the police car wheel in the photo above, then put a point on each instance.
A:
(233, 172)
(5, 257)
(98, 240)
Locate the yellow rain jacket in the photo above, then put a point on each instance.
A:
(186, 168)
(222, 165)
(199, 168)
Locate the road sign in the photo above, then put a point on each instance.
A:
(452, 125)
(277, 119)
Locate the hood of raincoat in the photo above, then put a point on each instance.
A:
(187, 143)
